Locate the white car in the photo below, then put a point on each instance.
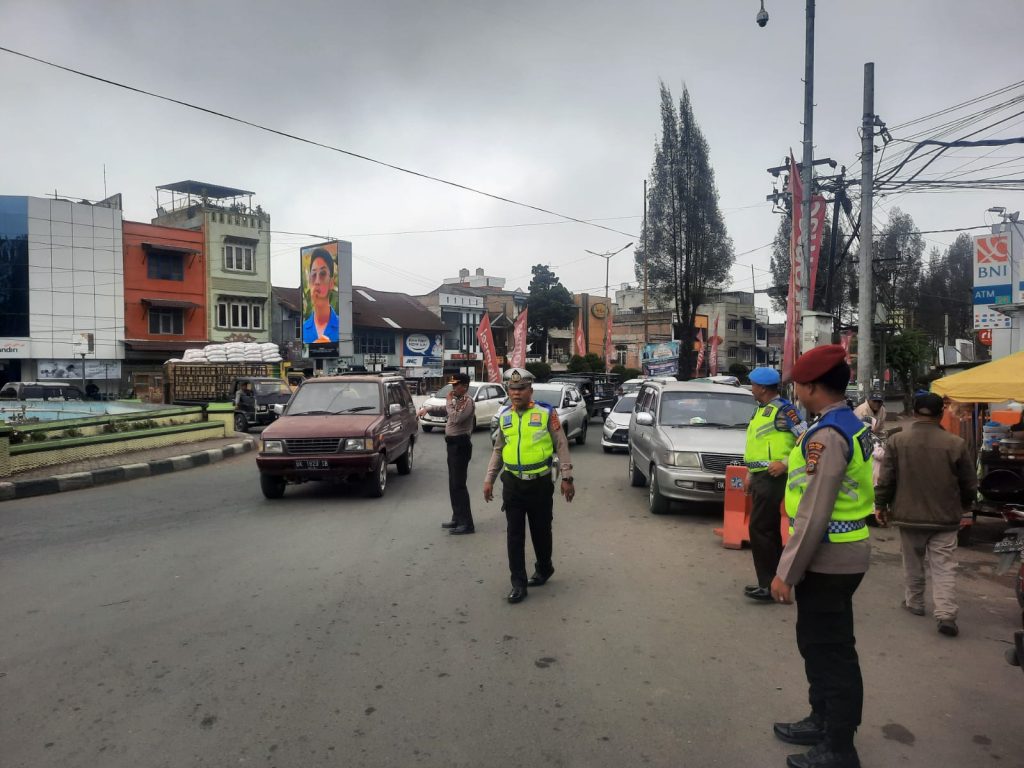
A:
(568, 402)
(615, 434)
(487, 399)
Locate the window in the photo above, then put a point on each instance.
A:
(748, 324)
(744, 354)
(733, 322)
(297, 330)
(238, 258)
(371, 343)
(163, 265)
(166, 321)
(240, 314)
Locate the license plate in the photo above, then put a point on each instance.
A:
(720, 485)
(1014, 544)
(311, 464)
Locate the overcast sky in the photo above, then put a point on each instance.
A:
(554, 104)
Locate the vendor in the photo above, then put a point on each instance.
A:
(872, 411)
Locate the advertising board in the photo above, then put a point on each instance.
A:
(423, 354)
(993, 280)
(661, 359)
(72, 369)
(321, 324)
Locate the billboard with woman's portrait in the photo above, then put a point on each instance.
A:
(320, 320)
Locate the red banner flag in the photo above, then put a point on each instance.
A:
(795, 274)
(700, 350)
(714, 350)
(518, 357)
(486, 339)
(817, 228)
(581, 342)
(609, 350)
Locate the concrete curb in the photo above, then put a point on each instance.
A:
(23, 489)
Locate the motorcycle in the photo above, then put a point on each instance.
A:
(1011, 552)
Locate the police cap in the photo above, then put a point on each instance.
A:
(459, 378)
(518, 378)
(813, 365)
(766, 377)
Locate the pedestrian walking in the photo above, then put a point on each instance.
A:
(529, 436)
(771, 435)
(872, 412)
(829, 495)
(926, 482)
(458, 431)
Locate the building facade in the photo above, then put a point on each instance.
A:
(61, 291)
(237, 246)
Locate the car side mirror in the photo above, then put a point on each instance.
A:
(278, 408)
(645, 419)
(394, 409)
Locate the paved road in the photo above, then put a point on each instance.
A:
(183, 620)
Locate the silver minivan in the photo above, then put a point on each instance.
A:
(682, 436)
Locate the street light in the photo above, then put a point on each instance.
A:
(607, 309)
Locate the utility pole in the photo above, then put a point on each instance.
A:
(646, 330)
(607, 307)
(803, 300)
(867, 150)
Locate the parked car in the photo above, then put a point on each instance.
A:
(598, 389)
(682, 436)
(615, 434)
(567, 401)
(40, 390)
(340, 428)
(255, 406)
(630, 386)
(488, 399)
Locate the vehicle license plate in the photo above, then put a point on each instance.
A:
(1009, 544)
(311, 464)
(720, 485)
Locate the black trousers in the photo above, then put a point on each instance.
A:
(765, 519)
(460, 451)
(824, 635)
(530, 500)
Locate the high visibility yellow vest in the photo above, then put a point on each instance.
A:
(766, 440)
(856, 499)
(528, 444)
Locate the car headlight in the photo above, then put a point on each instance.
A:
(688, 459)
(271, 446)
(358, 444)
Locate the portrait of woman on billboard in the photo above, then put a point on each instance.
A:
(321, 325)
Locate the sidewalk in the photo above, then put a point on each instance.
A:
(114, 469)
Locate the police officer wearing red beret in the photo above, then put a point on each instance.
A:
(829, 495)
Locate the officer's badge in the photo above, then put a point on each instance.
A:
(506, 420)
(767, 411)
(535, 419)
(515, 377)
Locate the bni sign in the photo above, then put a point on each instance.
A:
(993, 280)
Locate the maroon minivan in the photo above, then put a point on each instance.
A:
(340, 428)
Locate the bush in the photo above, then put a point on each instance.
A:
(73, 432)
(740, 371)
(626, 373)
(541, 371)
(37, 437)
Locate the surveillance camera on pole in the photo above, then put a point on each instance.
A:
(762, 16)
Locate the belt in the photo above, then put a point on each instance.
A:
(530, 476)
(840, 526)
(527, 467)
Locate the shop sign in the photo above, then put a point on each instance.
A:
(14, 348)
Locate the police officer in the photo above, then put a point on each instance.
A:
(771, 435)
(829, 495)
(529, 434)
(458, 430)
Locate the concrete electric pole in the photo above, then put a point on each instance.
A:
(867, 149)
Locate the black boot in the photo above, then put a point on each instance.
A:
(824, 756)
(810, 730)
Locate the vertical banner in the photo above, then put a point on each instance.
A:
(609, 350)
(700, 352)
(319, 280)
(486, 339)
(817, 230)
(581, 343)
(713, 366)
(795, 274)
(518, 357)
(844, 341)
(993, 280)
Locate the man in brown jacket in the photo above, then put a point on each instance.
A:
(926, 482)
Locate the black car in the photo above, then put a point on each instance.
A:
(255, 398)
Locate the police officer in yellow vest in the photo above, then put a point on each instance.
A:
(829, 496)
(529, 434)
(771, 435)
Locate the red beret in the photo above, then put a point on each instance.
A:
(811, 366)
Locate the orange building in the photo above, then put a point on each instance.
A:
(164, 296)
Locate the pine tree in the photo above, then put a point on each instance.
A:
(550, 305)
(688, 251)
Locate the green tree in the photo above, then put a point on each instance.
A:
(907, 353)
(946, 291)
(688, 251)
(541, 371)
(590, 363)
(550, 305)
(780, 268)
(898, 260)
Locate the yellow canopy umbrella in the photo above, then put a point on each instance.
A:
(994, 382)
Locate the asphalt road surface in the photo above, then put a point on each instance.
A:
(183, 620)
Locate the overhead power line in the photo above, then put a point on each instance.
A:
(312, 142)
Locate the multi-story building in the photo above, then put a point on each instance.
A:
(286, 321)
(237, 245)
(61, 291)
(737, 323)
(164, 296)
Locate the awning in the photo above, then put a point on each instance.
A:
(994, 382)
(141, 345)
(170, 248)
(170, 303)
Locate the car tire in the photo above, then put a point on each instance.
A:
(241, 425)
(658, 503)
(377, 482)
(272, 486)
(404, 463)
(636, 477)
(581, 438)
(427, 429)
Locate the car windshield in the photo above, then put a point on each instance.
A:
(336, 397)
(549, 394)
(625, 404)
(630, 386)
(693, 409)
(272, 388)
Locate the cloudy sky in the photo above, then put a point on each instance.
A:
(553, 104)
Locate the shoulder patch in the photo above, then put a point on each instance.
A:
(814, 451)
